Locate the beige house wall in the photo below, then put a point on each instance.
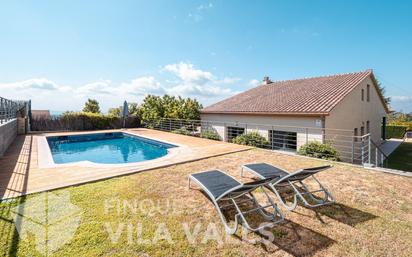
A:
(352, 112)
(306, 128)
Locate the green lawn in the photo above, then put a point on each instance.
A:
(401, 158)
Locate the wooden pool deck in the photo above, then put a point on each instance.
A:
(20, 173)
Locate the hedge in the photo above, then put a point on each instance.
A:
(395, 131)
(407, 124)
(82, 121)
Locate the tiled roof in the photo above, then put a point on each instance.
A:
(313, 96)
(40, 114)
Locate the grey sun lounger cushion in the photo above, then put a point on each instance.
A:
(216, 182)
(307, 172)
(266, 171)
(225, 191)
(294, 180)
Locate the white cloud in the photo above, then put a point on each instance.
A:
(401, 103)
(198, 83)
(44, 93)
(143, 86)
(139, 87)
(200, 91)
(96, 88)
(402, 98)
(254, 82)
(35, 84)
(188, 74)
(228, 80)
(186, 81)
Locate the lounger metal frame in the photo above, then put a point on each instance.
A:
(299, 192)
(230, 195)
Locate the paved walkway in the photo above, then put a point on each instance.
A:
(20, 173)
(390, 145)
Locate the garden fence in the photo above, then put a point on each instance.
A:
(78, 123)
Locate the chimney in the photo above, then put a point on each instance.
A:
(266, 80)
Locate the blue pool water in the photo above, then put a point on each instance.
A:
(108, 148)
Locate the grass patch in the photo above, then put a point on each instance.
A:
(401, 158)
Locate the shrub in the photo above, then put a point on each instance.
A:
(396, 131)
(319, 150)
(251, 139)
(210, 134)
(183, 131)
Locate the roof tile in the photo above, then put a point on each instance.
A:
(299, 96)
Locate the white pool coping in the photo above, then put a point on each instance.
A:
(45, 158)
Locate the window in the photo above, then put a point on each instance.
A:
(368, 89)
(362, 131)
(355, 134)
(282, 139)
(363, 95)
(367, 128)
(233, 132)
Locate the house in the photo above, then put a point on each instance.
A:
(337, 108)
(40, 114)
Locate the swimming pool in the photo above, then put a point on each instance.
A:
(105, 148)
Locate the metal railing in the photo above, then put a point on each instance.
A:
(334, 144)
(9, 109)
(371, 154)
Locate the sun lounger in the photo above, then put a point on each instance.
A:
(294, 181)
(225, 191)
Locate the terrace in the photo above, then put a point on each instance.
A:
(22, 172)
(147, 209)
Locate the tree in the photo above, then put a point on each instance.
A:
(190, 109)
(152, 108)
(171, 107)
(91, 106)
(114, 112)
(134, 110)
(156, 107)
(382, 91)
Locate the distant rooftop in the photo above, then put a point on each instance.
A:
(40, 114)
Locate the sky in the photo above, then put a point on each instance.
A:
(59, 53)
